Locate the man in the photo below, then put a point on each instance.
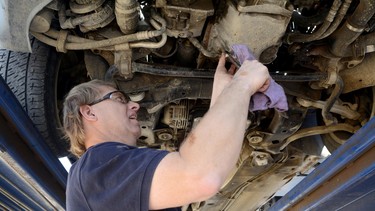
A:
(112, 174)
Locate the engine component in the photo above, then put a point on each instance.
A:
(185, 52)
(123, 58)
(165, 136)
(263, 41)
(85, 6)
(147, 135)
(127, 15)
(176, 116)
(123, 62)
(336, 108)
(71, 42)
(360, 76)
(91, 16)
(42, 21)
(199, 46)
(136, 97)
(279, 128)
(185, 18)
(353, 27)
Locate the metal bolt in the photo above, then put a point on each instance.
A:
(261, 158)
(165, 136)
(260, 161)
(255, 139)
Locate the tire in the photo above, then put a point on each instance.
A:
(331, 143)
(33, 80)
(365, 106)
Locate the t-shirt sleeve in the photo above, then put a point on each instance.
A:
(122, 181)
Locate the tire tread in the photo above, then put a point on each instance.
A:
(25, 74)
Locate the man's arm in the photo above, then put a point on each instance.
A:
(211, 150)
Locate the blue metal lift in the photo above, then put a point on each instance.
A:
(344, 181)
(31, 176)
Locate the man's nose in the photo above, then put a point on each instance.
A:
(134, 106)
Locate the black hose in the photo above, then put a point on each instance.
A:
(327, 116)
(352, 28)
(339, 17)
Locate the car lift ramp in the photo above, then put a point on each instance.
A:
(31, 176)
(344, 181)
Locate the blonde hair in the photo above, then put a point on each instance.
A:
(82, 94)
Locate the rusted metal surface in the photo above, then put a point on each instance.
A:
(360, 76)
(256, 182)
(254, 24)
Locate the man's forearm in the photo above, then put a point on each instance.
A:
(215, 144)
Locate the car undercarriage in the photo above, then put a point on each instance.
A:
(163, 54)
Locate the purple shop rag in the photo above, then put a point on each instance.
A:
(273, 97)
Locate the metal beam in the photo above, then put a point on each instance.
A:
(31, 176)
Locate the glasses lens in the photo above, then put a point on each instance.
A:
(119, 96)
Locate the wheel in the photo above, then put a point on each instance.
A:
(364, 99)
(332, 143)
(33, 78)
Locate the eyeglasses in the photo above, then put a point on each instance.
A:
(117, 95)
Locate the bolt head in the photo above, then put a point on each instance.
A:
(255, 139)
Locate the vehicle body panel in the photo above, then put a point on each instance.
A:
(14, 24)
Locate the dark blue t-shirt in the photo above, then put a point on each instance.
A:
(113, 176)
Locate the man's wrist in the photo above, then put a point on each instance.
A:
(243, 86)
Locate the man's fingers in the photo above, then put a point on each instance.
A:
(221, 61)
(232, 69)
(265, 86)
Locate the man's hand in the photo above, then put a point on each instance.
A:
(254, 76)
(253, 73)
(222, 78)
(265, 86)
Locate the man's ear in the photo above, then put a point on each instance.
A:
(87, 113)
